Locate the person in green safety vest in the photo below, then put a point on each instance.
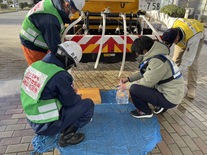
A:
(49, 99)
(43, 26)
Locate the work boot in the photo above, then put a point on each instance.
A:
(70, 137)
(191, 93)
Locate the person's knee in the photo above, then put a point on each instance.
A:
(89, 109)
(89, 104)
(134, 89)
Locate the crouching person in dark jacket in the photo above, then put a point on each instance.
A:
(158, 82)
(49, 98)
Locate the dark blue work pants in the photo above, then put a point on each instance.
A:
(142, 95)
(80, 114)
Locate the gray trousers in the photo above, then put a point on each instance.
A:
(193, 69)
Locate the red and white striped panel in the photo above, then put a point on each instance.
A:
(111, 43)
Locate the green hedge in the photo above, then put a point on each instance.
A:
(173, 10)
(3, 6)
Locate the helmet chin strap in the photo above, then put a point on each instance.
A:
(66, 64)
(67, 68)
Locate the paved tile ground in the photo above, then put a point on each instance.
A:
(184, 129)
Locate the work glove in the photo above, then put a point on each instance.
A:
(141, 12)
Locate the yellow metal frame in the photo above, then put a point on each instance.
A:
(115, 6)
(131, 1)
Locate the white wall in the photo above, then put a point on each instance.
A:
(166, 2)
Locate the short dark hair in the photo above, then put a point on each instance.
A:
(170, 35)
(142, 43)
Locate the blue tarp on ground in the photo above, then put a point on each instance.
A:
(108, 96)
(112, 132)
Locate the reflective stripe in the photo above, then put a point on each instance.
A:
(32, 39)
(32, 32)
(62, 29)
(177, 75)
(175, 69)
(41, 43)
(45, 116)
(27, 35)
(48, 107)
(62, 26)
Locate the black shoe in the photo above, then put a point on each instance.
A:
(71, 129)
(70, 139)
(139, 114)
(158, 110)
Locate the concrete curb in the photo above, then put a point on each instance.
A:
(8, 11)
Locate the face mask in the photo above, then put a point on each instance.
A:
(70, 15)
(169, 45)
(140, 58)
(70, 12)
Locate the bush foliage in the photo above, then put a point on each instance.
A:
(3, 6)
(25, 5)
(173, 10)
(21, 5)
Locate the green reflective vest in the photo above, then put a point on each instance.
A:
(30, 32)
(35, 78)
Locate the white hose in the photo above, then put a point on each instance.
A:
(71, 25)
(125, 42)
(153, 29)
(101, 43)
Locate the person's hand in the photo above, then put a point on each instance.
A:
(123, 86)
(141, 12)
(124, 80)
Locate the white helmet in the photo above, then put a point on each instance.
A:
(71, 51)
(77, 4)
